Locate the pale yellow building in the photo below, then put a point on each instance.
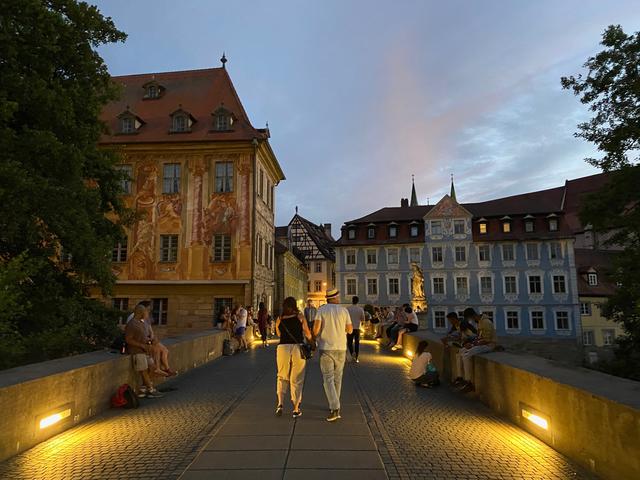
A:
(291, 276)
(594, 288)
(202, 181)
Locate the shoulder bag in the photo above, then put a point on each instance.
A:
(306, 352)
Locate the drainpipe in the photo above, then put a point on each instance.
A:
(254, 142)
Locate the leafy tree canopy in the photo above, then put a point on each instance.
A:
(611, 89)
(58, 190)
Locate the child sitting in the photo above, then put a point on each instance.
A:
(423, 372)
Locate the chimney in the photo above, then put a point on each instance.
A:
(327, 229)
(404, 202)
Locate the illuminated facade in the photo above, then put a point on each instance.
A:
(202, 180)
(291, 276)
(512, 258)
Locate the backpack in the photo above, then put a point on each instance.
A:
(119, 344)
(125, 397)
(227, 348)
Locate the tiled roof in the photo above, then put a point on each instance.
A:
(198, 92)
(320, 238)
(575, 191)
(599, 261)
(281, 232)
(543, 201)
(394, 214)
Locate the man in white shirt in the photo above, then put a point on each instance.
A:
(331, 324)
(241, 326)
(356, 313)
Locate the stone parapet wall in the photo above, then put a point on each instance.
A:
(82, 384)
(593, 418)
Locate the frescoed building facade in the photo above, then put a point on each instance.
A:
(202, 181)
(511, 258)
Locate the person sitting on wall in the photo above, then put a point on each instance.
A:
(138, 335)
(398, 324)
(240, 328)
(159, 352)
(386, 319)
(484, 342)
(221, 318)
(411, 325)
(423, 372)
(460, 332)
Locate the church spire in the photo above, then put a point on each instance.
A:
(453, 190)
(414, 197)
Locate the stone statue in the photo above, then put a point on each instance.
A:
(418, 299)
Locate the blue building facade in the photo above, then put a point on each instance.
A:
(511, 259)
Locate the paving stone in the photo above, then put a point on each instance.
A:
(325, 459)
(232, 475)
(294, 474)
(240, 460)
(248, 443)
(332, 442)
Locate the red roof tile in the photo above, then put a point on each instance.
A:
(597, 261)
(543, 201)
(198, 92)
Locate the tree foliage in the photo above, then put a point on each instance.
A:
(611, 89)
(58, 190)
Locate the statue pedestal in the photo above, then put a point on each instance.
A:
(419, 303)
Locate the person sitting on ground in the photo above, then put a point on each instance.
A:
(241, 327)
(138, 336)
(461, 331)
(485, 342)
(423, 372)
(263, 318)
(411, 325)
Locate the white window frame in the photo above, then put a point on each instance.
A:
(346, 286)
(588, 333)
(553, 224)
(555, 321)
(414, 230)
(222, 248)
(371, 233)
(480, 277)
(585, 312)
(541, 277)
(389, 292)
(431, 227)
(544, 322)
(375, 253)
(527, 224)
(389, 251)
(504, 284)
(592, 278)
(552, 247)
(526, 251)
(349, 253)
(564, 283)
(393, 231)
(126, 183)
(172, 250)
(415, 249)
(441, 254)
(433, 285)
(351, 233)
(223, 177)
(507, 311)
(455, 285)
(444, 320)
(604, 336)
(486, 247)
(171, 184)
(513, 251)
(455, 253)
(372, 279)
(457, 223)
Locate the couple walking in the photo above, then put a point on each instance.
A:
(330, 328)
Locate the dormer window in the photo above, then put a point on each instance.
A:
(371, 232)
(413, 230)
(529, 224)
(128, 122)
(593, 279)
(482, 226)
(153, 90)
(181, 121)
(393, 231)
(351, 234)
(506, 224)
(553, 223)
(222, 120)
(126, 125)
